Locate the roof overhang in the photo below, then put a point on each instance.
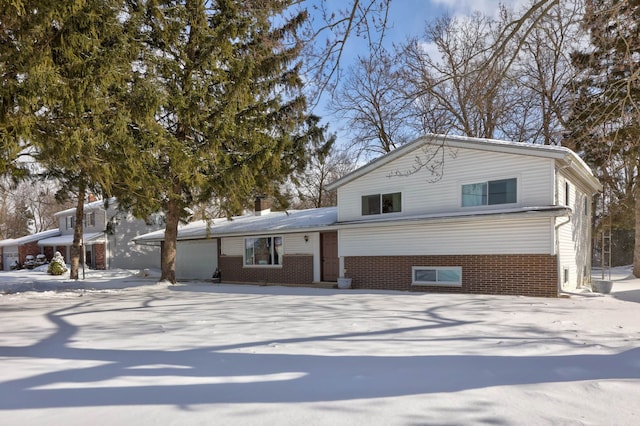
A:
(67, 240)
(520, 212)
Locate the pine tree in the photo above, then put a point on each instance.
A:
(217, 110)
(72, 60)
(605, 122)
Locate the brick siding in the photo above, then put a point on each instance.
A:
(99, 255)
(296, 269)
(31, 248)
(527, 274)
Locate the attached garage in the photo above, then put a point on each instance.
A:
(196, 259)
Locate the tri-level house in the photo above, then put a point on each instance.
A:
(442, 213)
(107, 239)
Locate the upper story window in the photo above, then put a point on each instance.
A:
(381, 203)
(70, 222)
(567, 193)
(90, 219)
(263, 251)
(503, 191)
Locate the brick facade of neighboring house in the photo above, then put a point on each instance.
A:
(99, 254)
(526, 275)
(27, 249)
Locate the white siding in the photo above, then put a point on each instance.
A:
(489, 236)
(422, 195)
(232, 246)
(574, 237)
(122, 252)
(292, 243)
(295, 243)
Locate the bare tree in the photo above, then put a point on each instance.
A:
(545, 74)
(373, 104)
(322, 170)
(463, 85)
(330, 28)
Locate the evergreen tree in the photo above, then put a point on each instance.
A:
(71, 59)
(217, 110)
(605, 122)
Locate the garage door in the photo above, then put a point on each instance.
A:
(196, 259)
(8, 260)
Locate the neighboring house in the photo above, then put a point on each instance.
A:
(107, 238)
(17, 249)
(442, 213)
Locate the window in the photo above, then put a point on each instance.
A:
(502, 191)
(70, 222)
(567, 193)
(263, 251)
(441, 276)
(90, 219)
(585, 207)
(381, 203)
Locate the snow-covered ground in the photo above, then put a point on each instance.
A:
(118, 348)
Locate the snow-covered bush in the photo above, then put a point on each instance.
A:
(57, 265)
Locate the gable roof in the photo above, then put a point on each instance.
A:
(563, 154)
(284, 222)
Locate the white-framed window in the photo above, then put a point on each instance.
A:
(263, 251)
(448, 276)
(502, 191)
(70, 222)
(90, 219)
(381, 203)
(585, 207)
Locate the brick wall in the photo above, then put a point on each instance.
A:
(99, 254)
(527, 275)
(296, 269)
(31, 248)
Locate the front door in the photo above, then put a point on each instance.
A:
(329, 256)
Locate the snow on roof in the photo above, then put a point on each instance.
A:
(88, 206)
(289, 221)
(30, 238)
(66, 240)
(537, 150)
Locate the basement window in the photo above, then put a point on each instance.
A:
(449, 276)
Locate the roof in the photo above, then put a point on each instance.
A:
(98, 204)
(564, 154)
(67, 239)
(284, 222)
(30, 238)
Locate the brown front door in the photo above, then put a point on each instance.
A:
(329, 256)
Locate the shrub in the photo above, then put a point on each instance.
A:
(57, 265)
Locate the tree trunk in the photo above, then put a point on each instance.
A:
(168, 262)
(636, 247)
(77, 246)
